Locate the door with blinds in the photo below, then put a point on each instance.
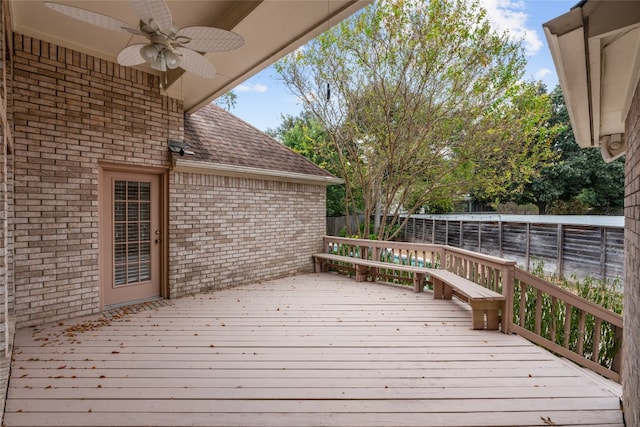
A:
(130, 237)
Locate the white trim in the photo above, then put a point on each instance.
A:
(206, 168)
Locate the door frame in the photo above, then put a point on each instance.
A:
(163, 176)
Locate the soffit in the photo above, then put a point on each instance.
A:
(596, 51)
(271, 29)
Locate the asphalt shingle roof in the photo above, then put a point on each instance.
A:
(217, 136)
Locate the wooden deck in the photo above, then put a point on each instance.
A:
(317, 349)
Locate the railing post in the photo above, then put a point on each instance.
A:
(617, 359)
(508, 290)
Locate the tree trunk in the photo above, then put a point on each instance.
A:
(542, 208)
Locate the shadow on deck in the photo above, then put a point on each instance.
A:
(316, 349)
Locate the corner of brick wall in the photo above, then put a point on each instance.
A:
(631, 339)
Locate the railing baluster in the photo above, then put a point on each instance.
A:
(581, 333)
(523, 302)
(476, 273)
(538, 322)
(597, 330)
(552, 332)
(567, 325)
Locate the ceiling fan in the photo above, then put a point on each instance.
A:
(168, 46)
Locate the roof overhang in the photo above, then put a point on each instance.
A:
(596, 51)
(271, 29)
(208, 168)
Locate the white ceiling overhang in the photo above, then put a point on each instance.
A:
(271, 29)
(596, 51)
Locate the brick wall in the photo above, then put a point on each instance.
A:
(228, 231)
(72, 111)
(6, 248)
(5, 239)
(7, 311)
(631, 359)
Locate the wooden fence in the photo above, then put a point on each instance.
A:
(571, 326)
(336, 223)
(566, 245)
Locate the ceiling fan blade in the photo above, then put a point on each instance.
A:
(88, 16)
(209, 39)
(130, 55)
(155, 11)
(195, 63)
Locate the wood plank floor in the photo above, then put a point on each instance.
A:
(316, 349)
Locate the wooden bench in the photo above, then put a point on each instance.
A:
(366, 268)
(482, 300)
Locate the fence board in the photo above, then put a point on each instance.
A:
(592, 246)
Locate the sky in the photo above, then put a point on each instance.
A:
(263, 100)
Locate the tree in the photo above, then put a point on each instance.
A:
(227, 101)
(421, 101)
(576, 176)
(604, 193)
(305, 135)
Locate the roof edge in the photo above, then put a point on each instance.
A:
(207, 168)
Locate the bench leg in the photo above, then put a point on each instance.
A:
(493, 320)
(492, 311)
(373, 272)
(320, 265)
(362, 273)
(418, 280)
(441, 289)
(478, 318)
(438, 288)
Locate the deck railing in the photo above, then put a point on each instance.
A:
(539, 311)
(567, 324)
(417, 254)
(485, 270)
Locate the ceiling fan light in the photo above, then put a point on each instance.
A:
(171, 59)
(159, 64)
(149, 52)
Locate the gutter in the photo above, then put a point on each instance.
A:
(191, 166)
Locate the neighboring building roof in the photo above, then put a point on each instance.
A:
(226, 143)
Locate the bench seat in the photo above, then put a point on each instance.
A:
(483, 301)
(366, 268)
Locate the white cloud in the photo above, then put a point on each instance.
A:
(541, 73)
(256, 87)
(509, 15)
